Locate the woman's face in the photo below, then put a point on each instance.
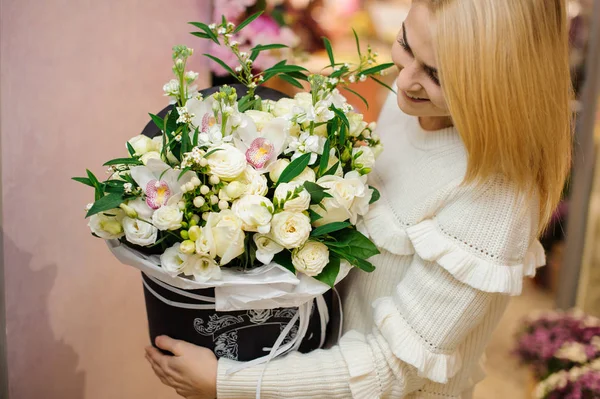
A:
(419, 90)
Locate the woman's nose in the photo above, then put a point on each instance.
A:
(407, 79)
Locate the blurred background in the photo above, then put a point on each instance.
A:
(78, 76)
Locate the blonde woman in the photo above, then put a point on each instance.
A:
(478, 144)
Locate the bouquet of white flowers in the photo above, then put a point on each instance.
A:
(255, 199)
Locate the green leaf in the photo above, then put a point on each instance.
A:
(83, 180)
(298, 75)
(294, 169)
(331, 171)
(329, 50)
(357, 42)
(291, 81)
(247, 21)
(183, 172)
(201, 35)
(329, 228)
(317, 193)
(185, 141)
(358, 95)
(212, 152)
(130, 149)
(105, 203)
(284, 258)
(207, 32)
(285, 68)
(158, 121)
(332, 128)
(264, 47)
(99, 192)
(383, 84)
(377, 68)
(123, 161)
(376, 195)
(324, 158)
(331, 271)
(172, 122)
(340, 114)
(223, 64)
(314, 216)
(354, 243)
(343, 131)
(114, 189)
(195, 138)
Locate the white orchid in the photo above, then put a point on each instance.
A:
(263, 144)
(159, 182)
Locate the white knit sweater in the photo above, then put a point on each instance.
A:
(451, 256)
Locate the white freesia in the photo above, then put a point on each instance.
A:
(139, 233)
(172, 259)
(167, 217)
(290, 229)
(306, 144)
(298, 204)
(276, 168)
(350, 198)
(366, 158)
(227, 163)
(205, 244)
(255, 212)
(311, 258)
(266, 248)
(226, 229)
(357, 125)
(303, 100)
(256, 183)
(306, 175)
(142, 209)
(142, 144)
(259, 118)
(284, 107)
(171, 88)
(148, 156)
(203, 268)
(107, 224)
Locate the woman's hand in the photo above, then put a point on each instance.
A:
(192, 371)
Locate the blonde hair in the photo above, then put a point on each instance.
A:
(505, 74)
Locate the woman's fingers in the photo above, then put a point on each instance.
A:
(165, 365)
(174, 346)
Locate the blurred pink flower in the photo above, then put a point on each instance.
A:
(231, 9)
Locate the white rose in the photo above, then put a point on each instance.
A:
(311, 258)
(256, 184)
(351, 197)
(203, 268)
(260, 118)
(276, 168)
(255, 212)
(226, 229)
(290, 229)
(284, 107)
(307, 175)
(357, 125)
(227, 163)
(298, 204)
(107, 224)
(139, 233)
(266, 248)
(149, 155)
(167, 217)
(142, 209)
(366, 159)
(142, 144)
(172, 259)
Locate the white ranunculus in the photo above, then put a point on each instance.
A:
(298, 204)
(142, 144)
(266, 248)
(149, 155)
(290, 229)
(172, 259)
(256, 183)
(226, 229)
(307, 175)
(227, 163)
(205, 244)
(255, 212)
(357, 125)
(311, 258)
(167, 217)
(351, 197)
(276, 168)
(366, 159)
(203, 268)
(139, 233)
(142, 209)
(284, 107)
(107, 224)
(260, 118)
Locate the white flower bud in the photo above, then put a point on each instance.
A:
(203, 162)
(196, 219)
(190, 186)
(195, 181)
(223, 205)
(205, 216)
(235, 189)
(214, 200)
(214, 180)
(181, 205)
(199, 201)
(188, 247)
(204, 190)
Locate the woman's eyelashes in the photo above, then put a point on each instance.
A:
(431, 72)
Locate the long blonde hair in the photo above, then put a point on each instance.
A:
(505, 73)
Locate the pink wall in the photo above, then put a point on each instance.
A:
(78, 78)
